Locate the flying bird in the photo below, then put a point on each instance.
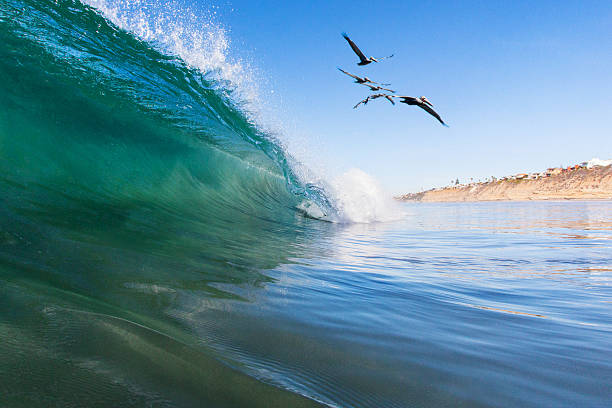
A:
(362, 58)
(359, 80)
(375, 96)
(375, 88)
(422, 103)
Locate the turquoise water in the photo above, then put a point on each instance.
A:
(154, 251)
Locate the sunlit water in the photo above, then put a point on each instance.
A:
(492, 304)
(159, 247)
(486, 304)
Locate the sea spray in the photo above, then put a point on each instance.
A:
(177, 29)
(196, 38)
(360, 198)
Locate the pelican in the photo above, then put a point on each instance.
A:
(422, 103)
(375, 88)
(359, 80)
(362, 58)
(375, 96)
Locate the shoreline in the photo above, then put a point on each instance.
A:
(593, 184)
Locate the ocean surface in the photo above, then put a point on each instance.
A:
(159, 248)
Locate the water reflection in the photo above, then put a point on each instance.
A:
(393, 314)
(455, 305)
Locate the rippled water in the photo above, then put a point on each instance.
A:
(486, 304)
(476, 304)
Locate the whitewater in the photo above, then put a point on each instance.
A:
(161, 245)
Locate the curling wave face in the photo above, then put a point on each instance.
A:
(128, 174)
(93, 113)
(138, 191)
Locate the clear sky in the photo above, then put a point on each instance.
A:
(524, 85)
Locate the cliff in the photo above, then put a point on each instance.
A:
(581, 184)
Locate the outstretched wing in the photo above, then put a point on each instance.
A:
(431, 112)
(355, 48)
(375, 88)
(363, 101)
(390, 99)
(408, 100)
(383, 95)
(351, 75)
(386, 89)
(372, 87)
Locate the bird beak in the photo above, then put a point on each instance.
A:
(427, 102)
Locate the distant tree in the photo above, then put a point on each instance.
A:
(457, 182)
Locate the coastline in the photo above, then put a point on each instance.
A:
(580, 184)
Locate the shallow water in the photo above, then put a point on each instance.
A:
(482, 304)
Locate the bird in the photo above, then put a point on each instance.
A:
(422, 102)
(375, 96)
(375, 88)
(359, 80)
(362, 58)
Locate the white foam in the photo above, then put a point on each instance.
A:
(198, 39)
(194, 36)
(202, 43)
(360, 198)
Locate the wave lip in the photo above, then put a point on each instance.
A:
(119, 113)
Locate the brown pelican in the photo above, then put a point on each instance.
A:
(375, 88)
(422, 103)
(362, 58)
(359, 80)
(375, 96)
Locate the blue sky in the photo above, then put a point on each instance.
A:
(524, 85)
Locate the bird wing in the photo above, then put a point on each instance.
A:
(409, 100)
(355, 48)
(431, 112)
(388, 97)
(372, 87)
(383, 95)
(386, 89)
(349, 74)
(364, 80)
(363, 101)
